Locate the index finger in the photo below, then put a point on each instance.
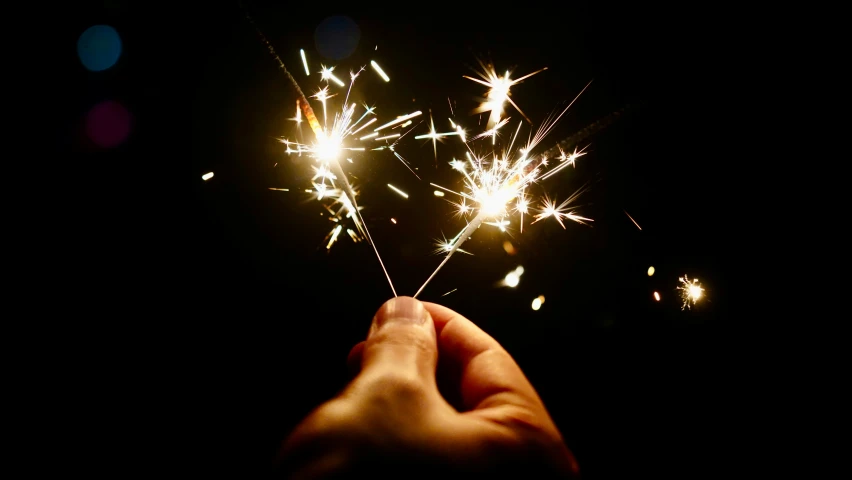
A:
(490, 377)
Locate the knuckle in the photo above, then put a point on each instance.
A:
(404, 336)
(397, 385)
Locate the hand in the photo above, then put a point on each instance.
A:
(393, 420)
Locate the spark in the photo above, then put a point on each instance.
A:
(496, 185)
(298, 117)
(398, 191)
(631, 219)
(438, 193)
(651, 271)
(434, 136)
(327, 75)
(657, 296)
(451, 291)
(564, 161)
(334, 235)
(498, 92)
(393, 220)
(387, 137)
(537, 302)
(690, 292)
(305, 62)
(399, 120)
(280, 189)
(562, 211)
(444, 246)
(207, 176)
(379, 70)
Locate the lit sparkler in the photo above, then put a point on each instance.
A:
(497, 184)
(328, 147)
(690, 292)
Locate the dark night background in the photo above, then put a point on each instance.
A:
(269, 316)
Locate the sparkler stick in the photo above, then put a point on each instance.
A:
(320, 134)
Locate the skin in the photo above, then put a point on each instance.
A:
(405, 415)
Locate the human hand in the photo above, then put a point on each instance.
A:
(393, 420)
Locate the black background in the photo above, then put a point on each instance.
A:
(265, 316)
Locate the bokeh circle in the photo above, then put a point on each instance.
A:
(99, 47)
(337, 37)
(108, 124)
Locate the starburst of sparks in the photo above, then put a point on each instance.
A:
(331, 143)
(690, 292)
(497, 184)
(498, 92)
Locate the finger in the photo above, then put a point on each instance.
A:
(401, 341)
(489, 376)
(353, 360)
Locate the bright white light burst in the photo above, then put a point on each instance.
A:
(690, 292)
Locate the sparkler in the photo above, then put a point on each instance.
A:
(496, 184)
(690, 292)
(330, 143)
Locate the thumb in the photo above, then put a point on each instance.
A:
(401, 342)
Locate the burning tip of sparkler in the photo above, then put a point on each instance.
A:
(690, 292)
(651, 271)
(537, 302)
(207, 176)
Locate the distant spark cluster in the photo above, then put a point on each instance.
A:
(690, 292)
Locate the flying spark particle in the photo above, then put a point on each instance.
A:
(634, 221)
(327, 75)
(657, 296)
(207, 176)
(651, 271)
(379, 70)
(387, 137)
(393, 220)
(334, 235)
(439, 193)
(280, 189)
(305, 62)
(398, 190)
(537, 302)
(451, 291)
